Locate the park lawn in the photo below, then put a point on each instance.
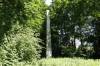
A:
(69, 62)
(63, 62)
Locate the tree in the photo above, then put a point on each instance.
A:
(20, 26)
(72, 17)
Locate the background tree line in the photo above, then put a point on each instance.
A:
(72, 21)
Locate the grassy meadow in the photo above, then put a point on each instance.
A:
(63, 62)
(69, 62)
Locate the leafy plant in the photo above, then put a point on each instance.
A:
(22, 45)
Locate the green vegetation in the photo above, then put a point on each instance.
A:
(20, 26)
(69, 62)
(23, 32)
(73, 20)
(62, 62)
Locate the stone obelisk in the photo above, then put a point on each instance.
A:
(48, 37)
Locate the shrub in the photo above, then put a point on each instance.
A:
(22, 45)
(68, 51)
(85, 51)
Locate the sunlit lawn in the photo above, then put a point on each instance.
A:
(69, 62)
(63, 62)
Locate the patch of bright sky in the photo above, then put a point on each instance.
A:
(48, 2)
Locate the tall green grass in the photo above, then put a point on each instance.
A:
(69, 62)
(63, 62)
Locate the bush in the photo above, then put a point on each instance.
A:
(85, 51)
(22, 45)
(68, 51)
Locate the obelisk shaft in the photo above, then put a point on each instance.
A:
(48, 41)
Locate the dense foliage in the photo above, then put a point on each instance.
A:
(73, 20)
(20, 26)
(17, 47)
(23, 30)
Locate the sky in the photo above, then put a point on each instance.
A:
(48, 2)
